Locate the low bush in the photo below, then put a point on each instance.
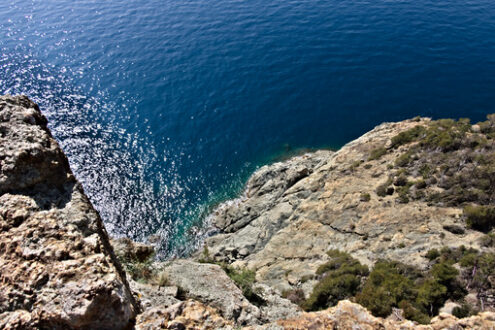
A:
(384, 189)
(404, 159)
(340, 278)
(377, 153)
(408, 136)
(432, 254)
(365, 197)
(462, 311)
(244, 279)
(488, 240)
(480, 217)
(384, 289)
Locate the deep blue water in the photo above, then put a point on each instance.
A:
(165, 107)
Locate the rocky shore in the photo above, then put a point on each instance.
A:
(402, 196)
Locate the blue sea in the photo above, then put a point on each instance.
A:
(165, 108)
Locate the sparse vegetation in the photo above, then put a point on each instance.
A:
(365, 197)
(140, 270)
(243, 278)
(390, 284)
(408, 136)
(296, 296)
(385, 189)
(455, 165)
(377, 153)
(488, 240)
(161, 279)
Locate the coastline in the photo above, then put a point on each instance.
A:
(312, 218)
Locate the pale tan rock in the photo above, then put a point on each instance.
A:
(348, 315)
(327, 212)
(50, 277)
(188, 314)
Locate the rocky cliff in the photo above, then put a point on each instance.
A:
(412, 198)
(292, 213)
(57, 268)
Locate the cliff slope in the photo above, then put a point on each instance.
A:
(298, 223)
(292, 213)
(57, 268)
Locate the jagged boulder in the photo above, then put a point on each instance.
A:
(57, 268)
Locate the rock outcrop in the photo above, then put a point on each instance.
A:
(348, 315)
(209, 284)
(345, 315)
(293, 212)
(57, 268)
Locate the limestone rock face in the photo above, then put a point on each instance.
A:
(209, 284)
(191, 314)
(293, 212)
(348, 315)
(188, 314)
(57, 268)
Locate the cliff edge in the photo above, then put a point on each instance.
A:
(57, 268)
(399, 221)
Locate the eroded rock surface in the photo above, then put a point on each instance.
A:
(57, 268)
(209, 284)
(188, 314)
(345, 315)
(348, 315)
(293, 212)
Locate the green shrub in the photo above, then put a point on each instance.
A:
(431, 296)
(404, 159)
(244, 279)
(420, 184)
(400, 180)
(340, 279)
(480, 217)
(488, 240)
(377, 153)
(139, 271)
(483, 267)
(413, 313)
(408, 136)
(462, 311)
(384, 289)
(432, 254)
(365, 197)
(355, 165)
(332, 289)
(444, 273)
(446, 134)
(383, 189)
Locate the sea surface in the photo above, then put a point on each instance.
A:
(164, 107)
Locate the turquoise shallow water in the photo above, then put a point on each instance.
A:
(165, 107)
